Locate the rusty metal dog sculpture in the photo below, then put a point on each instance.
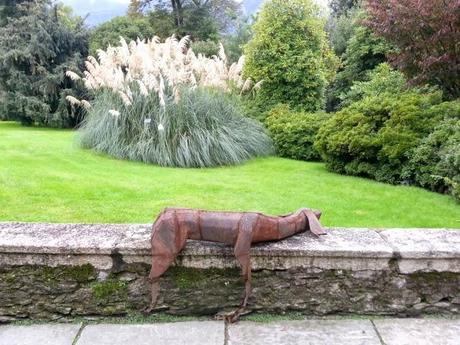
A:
(175, 225)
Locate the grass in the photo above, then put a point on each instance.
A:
(45, 177)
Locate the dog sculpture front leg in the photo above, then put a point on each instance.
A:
(168, 239)
(242, 253)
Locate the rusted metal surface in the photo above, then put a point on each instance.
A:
(174, 226)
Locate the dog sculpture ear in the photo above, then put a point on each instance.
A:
(317, 214)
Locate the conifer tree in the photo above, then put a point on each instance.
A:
(36, 49)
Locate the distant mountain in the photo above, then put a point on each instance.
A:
(100, 11)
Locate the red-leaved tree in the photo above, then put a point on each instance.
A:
(427, 35)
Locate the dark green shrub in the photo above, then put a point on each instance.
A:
(205, 128)
(375, 137)
(207, 48)
(293, 133)
(435, 163)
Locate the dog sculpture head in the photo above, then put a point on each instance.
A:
(312, 221)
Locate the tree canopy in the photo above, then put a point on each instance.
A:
(426, 35)
(290, 54)
(36, 49)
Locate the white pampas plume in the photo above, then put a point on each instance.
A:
(85, 104)
(257, 85)
(183, 43)
(72, 100)
(161, 92)
(221, 53)
(72, 75)
(142, 88)
(124, 98)
(114, 113)
(152, 63)
(247, 85)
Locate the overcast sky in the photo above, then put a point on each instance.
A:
(103, 10)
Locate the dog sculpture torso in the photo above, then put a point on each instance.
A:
(174, 226)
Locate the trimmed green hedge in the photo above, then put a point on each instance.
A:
(435, 163)
(375, 137)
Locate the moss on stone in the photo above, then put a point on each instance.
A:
(9, 278)
(81, 273)
(187, 277)
(109, 288)
(53, 275)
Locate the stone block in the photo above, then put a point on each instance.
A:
(419, 331)
(314, 332)
(57, 334)
(178, 333)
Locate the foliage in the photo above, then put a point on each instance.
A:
(426, 34)
(435, 163)
(376, 136)
(340, 30)
(130, 28)
(198, 23)
(207, 48)
(36, 49)
(363, 53)
(234, 42)
(290, 53)
(204, 128)
(134, 8)
(293, 133)
(196, 17)
(382, 79)
(341, 7)
(9, 9)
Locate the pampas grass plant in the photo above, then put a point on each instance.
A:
(160, 103)
(204, 128)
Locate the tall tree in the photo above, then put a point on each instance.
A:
(8, 9)
(134, 8)
(340, 7)
(223, 12)
(427, 35)
(364, 51)
(36, 49)
(290, 53)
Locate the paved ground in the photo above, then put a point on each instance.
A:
(314, 332)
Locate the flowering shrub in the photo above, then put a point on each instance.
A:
(160, 103)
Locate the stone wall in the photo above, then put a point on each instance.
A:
(55, 271)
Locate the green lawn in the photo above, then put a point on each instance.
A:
(45, 177)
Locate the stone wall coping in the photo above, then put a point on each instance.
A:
(348, 248)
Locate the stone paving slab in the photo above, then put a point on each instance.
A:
(179, 333)
(38, 334)
(308, 332)
(419, 331)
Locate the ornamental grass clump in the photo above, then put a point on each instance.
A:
(160, 103)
